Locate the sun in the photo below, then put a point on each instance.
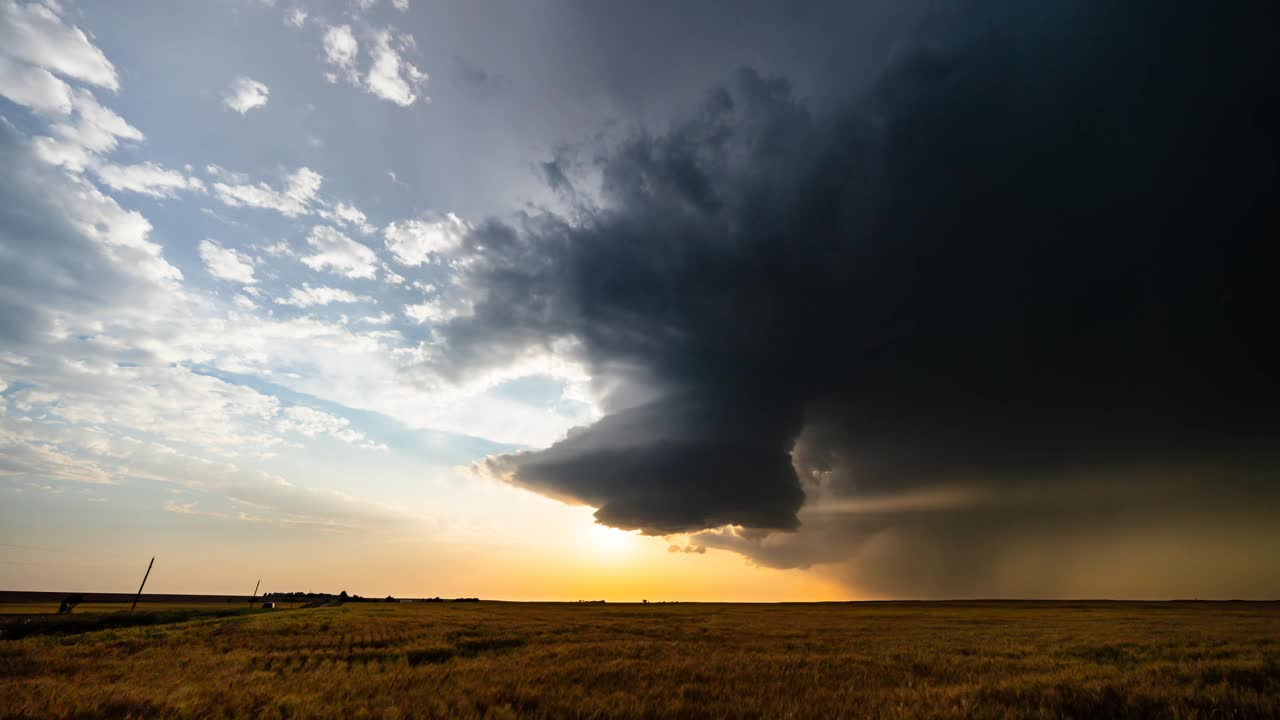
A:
(607, 541)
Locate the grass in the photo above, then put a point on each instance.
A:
(51, 608)
(499, 660)
(16, 627)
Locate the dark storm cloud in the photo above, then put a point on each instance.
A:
(1030, 251)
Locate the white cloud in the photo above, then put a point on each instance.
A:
(246, 94)
(34, 87)
(168, 401)
(57, 454)
(220, 173)
(391, 77)
(340, 50)
(22, 456)
(414, 242)
(401, 5)
(225, 263)
(307, 296)
(309, 422)
(35, 34)
(278, 249)
(96, 131)
(339, 253)
(433, 311)
(296, 17)
(379, 319)
(348, 215)
(146, 178)
(295, 199)
(391, 276)
(70, 246)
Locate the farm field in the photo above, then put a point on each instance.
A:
(499, 660)
(50, 608)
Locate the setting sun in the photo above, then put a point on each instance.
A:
(607, 541)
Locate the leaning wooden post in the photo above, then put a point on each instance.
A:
(255, 592)
(144, 584)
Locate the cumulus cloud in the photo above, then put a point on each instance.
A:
(391, 77)
(96, 131)
(226, 263)
(66, 249)
(245, 94)
(349, 215)
(307, 296)
(340, 50)
(300, 191)
(36, 34)
(994, 271)
(340, 254)
(418, 241)
(34, 87)
(146, 178)
(432, 311)
(391, 276)
(97, 329)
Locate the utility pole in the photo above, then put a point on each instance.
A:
(255, 592)
(144, 584)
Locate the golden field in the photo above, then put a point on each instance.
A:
(51, 608)
(502, 660)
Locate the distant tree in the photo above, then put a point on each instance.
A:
(69, 603)
(343, 595)
(390, 599)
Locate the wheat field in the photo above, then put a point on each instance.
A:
(505, 660)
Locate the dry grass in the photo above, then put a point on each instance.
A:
(51, 608)
(496, 660)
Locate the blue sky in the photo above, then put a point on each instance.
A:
(229, 236)
(222, 274)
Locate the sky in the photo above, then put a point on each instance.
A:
(602, 300)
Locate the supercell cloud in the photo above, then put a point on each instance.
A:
(1010, 295)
